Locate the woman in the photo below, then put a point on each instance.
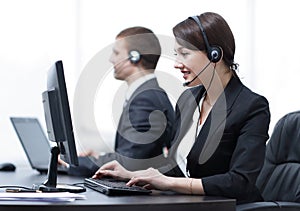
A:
(225, 146)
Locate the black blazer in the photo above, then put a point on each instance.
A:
(229, 151)
(145, 128)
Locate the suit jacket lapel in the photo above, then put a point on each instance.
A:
(214, 126)
(124, 122)
(185, 109)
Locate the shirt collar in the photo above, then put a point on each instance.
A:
(134, 85)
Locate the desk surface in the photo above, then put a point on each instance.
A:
(96, 201)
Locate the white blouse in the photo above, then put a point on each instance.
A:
(189, 139)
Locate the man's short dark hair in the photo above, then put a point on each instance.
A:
(144, 41)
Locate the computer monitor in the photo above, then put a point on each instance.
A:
(59, 128)
(58, 115)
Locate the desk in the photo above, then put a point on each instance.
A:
(97, 201)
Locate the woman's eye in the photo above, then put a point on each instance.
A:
(184, 53)
(181, 53)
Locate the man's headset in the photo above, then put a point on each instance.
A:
(134, 56)
(214, 53)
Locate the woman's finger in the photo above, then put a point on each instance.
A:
(140, 181)
(109, 165)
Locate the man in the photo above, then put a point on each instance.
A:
(145, 125)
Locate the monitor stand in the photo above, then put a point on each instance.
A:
(50, 185)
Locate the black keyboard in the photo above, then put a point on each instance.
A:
(114, 187)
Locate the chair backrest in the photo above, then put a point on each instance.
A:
(279, 179)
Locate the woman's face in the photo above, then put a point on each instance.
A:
(190, 63)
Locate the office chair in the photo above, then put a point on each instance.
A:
(279, 180)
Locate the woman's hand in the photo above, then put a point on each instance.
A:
(113, 169)
(151, 179)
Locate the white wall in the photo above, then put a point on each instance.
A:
(33, 35)
(276, 66)
(36, 33)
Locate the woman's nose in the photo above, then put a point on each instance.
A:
(178, 64)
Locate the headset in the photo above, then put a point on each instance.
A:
(134, 56)
(214, 53)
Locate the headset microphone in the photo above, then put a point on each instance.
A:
(189, 82)
(134, 57)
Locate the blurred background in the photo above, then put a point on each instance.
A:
(34, 34)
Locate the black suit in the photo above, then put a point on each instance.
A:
(229, 151)
(145, 127)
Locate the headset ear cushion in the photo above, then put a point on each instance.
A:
(134, 56)
(215, 54)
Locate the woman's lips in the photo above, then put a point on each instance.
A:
(185, 74)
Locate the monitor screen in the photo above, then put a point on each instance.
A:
(57, 114)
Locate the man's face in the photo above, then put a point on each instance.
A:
(120, 59)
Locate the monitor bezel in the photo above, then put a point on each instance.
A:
(56, 82)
